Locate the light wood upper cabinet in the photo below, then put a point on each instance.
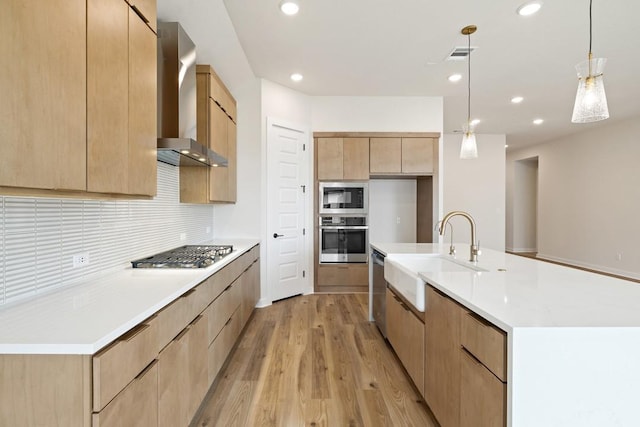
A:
(43, 101)
(417, 155)
(329, 158)
(142, 107)
(385, 156)
(85, 111)
(107, 98)
(342, 158)
(402, 156)
(216, 128)
(147, 9)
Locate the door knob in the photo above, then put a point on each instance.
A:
(276, 235)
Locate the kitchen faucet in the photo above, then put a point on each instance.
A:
(474, 249)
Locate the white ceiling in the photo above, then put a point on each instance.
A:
(398, 47)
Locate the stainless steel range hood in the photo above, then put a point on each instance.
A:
(177, 144)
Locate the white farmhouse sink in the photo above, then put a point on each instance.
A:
(402, 270)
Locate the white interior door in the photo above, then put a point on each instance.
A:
(286, 199)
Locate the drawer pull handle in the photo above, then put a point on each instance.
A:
(480, 319)
(147, 369)
(134, 332)
(189, 292)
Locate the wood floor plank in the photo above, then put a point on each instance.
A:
(313, 360)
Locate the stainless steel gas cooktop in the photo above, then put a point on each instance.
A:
(190, 256)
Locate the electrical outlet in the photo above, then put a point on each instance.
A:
(183, 236)
(397, 220)
(208, 230)
(619, 256)
(80, 260)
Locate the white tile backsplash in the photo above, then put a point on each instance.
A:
(39, 236)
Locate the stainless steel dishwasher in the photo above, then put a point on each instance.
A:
(379, 291)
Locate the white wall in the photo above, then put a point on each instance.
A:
(589, 197)
(522, 234)
(392, 210)
(477, 187)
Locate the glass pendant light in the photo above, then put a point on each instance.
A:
(469, 148)
(591, 100)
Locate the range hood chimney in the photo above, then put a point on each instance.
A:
(177, 144)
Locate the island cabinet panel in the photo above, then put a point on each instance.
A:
(486, 342)
(405, 332)
(43, 101)
(482, 395)
(38, 390)
(385, 156)
(136, 405)
(442, 357)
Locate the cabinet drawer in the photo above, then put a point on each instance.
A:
(176, 316)
(136, 405)
(119, 363)
(222, 345)
(486, 342)
(482, 395)
(221, 310)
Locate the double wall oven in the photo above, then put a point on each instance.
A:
(343, 222)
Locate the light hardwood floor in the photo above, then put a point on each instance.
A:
(313, 360)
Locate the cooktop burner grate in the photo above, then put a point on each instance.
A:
(189, 256)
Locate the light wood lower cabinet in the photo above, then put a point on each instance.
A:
(482, 395)
(442, 357)
(157, 374)
(465, 365)
(136, 405)
(405, 332)
(342, 277)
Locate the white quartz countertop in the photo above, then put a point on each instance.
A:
(83, 318)
(518, 292)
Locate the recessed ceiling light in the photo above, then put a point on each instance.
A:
(289, 7)
(475, 122)
(455, 77)
(529, 8)
(538, 121)
(296, 77)
(517, 99)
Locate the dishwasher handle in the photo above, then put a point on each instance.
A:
(377, 258)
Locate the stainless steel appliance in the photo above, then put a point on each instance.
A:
(189, 256)
(343, 198)
(344, 239)
(177, 101)
(379, 291)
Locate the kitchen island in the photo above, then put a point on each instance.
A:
(572, 337)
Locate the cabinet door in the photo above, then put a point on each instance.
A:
(232, 156)
(142, 107)
(385, 156)
(355, 158)
(405, 332)
(218, 177)
(107, 96)
(147, 9)
(136, 405)
(417, 155)
(482, 395)
(329, 158)
(43, 101)
(198, 364)
(442, 357)
(173, 382)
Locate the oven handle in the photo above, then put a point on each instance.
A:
(344, 227)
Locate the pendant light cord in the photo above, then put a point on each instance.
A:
(469, 83)
(590, 25)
